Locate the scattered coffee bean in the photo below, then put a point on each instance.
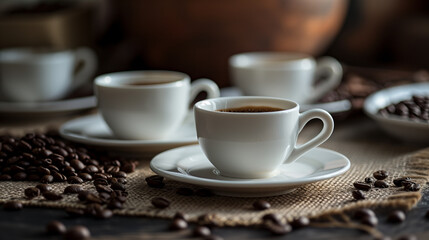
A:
(396, 217)
(92, 198)
(411, 186)
(381, 184)
(300, 222)
(178, 224)
(52, 196)
(32, 192)
(261, 205)
(369, 180)
(204, 192)
(278, 229)
(363, 212)
(77, 233)
(201, 231)
(114, 204)
(12, 206)
(179, 215)
(103, 188)
(362, 186)
(75, 212)
(380, 175)
(82, 195)
(72, 189)
(185, 191)
(358, 195)
(55, 227)
(103, 213)
(160, 202)
(371, 221)
(271, 217)
(44, 187)
(117, 186)
(398, 181)
(155, 181)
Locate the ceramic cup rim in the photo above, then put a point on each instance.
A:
(285, 61)
(121, 80)
(33, 55)
(202, 105)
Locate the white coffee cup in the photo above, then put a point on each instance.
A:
(44, 74)
(284, 74)
(148, 105)
(255, 144)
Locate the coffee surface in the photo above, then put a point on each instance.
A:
(251, 109)
(150, 83)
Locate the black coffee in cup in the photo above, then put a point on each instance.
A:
(251, 109)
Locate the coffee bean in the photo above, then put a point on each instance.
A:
(363, 212)
(381, 184)
(92, 198)
(83, 195)
(362, 186)
(204, 192)
(371, 221)
(72, 189)
(278, 229)
(261, 205)
(19, 176)
(178, 224)
(76, 164)
(52, 196)
(396, 217)
(103, 188)
(114, 204)
(32, 192)
(43, 171)
(179, 215)
(75, 212)
(160, 202)
(271, 217)
(55, 227)
(300, 222)
(85, 176)
(185, 191)
(44, 187)
(101, 181)
(91, 169)
(213, 237)
(411, 186)
(92, 209)
(369, 180)
(155, 181)
(47, 179)
(358, 195)
(398, 181)
(120, 174)
(117, 186)
(77, 233)
(58, 177)
(380, 174)
(12, 206)
(5, 177)
(201, 231)
(129, 167)
(75, 180)
(103, 213)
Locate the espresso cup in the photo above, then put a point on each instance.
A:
(251, 137)
(44, 74)
(295, 76)
(147, 105)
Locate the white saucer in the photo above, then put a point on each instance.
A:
(92, 130)
(408, 130)
(45, 109)
(188, 164)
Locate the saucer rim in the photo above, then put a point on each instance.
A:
(245, 183)
(69, 135)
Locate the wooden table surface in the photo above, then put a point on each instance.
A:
(355, 137)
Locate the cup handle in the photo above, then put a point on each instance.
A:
(88, 59)
(335, 72)
(324, 134)
(204, 84)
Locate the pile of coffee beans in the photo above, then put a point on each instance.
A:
(378, 180)
(416, 108)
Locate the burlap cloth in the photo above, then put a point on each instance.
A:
(359, 139)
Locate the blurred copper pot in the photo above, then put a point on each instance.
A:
(198, 36)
